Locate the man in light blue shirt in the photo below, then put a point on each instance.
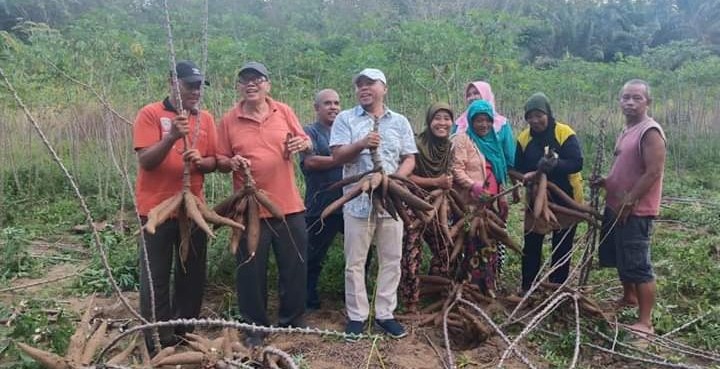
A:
(351, 139)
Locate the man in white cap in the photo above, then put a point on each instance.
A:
(351, 139)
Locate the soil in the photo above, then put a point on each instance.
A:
(314, 351)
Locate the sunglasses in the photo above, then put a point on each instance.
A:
(246, 80)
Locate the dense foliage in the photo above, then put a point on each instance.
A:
(429, 50)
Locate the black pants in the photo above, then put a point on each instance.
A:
(532, 255)
(189, 282)
(289, 243)
(320, 237)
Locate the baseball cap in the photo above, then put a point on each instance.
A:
(189, 72)
(255, 66)
(372, 73)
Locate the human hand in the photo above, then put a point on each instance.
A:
(372, 140)
(478, 190)
(626, 208)
(193, 156)
(529, 177)
(180, 127)
(547, 164)
(297, 144)
(444, 181)
(238, 163)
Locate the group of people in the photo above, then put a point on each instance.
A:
(471, 153)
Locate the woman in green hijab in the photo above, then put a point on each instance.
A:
(432, 171)
(480, 169)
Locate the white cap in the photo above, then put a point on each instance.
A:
(372, 73)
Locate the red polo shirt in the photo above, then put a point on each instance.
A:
(153, 122)
(263, 143)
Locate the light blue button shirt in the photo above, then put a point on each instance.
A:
(396, 139)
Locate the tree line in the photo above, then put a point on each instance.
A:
(577, 51)
(594, 30)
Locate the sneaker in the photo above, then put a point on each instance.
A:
(392, 328)
(355, 329)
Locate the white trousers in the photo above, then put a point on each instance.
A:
(386, 234)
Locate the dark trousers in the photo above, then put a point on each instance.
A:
(320, 237)
(289, 243)
(532, 255)
(188, 285)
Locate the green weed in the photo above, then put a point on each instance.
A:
(46, 325)
(121, 250)
(16, 259)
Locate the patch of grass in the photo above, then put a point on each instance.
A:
(221, 262)
(301, 362)
(121, 250)
(42, 324)
(332, 278)
(16, 259)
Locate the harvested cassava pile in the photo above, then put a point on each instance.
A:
(187, 208)
(387, 192)
(543, 204)
(465, 330)
(243, 207)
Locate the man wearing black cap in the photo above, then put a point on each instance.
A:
(264, 134)
(158, 139)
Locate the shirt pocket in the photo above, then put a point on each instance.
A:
(275, 137)
(391, 144)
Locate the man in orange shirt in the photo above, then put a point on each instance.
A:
(262, 134)
(158, 135)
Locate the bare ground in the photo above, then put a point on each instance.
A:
(318, 352)
(314, 351)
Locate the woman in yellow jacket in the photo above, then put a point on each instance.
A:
(563, 170)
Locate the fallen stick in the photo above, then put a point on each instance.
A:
(435, 349)
(39, 283)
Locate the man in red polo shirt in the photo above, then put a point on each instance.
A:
(158, 135)
(255, 133)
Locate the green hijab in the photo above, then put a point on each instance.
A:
(489, 145)
(434, 153)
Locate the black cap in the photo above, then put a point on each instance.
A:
(189, 72)
(258, 67)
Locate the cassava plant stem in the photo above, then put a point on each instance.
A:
(83, 204)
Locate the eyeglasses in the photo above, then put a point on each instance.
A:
(246, 80)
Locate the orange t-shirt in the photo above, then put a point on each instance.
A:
(153, 122)
(263, 143)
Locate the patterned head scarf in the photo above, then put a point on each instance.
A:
(434, 153)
